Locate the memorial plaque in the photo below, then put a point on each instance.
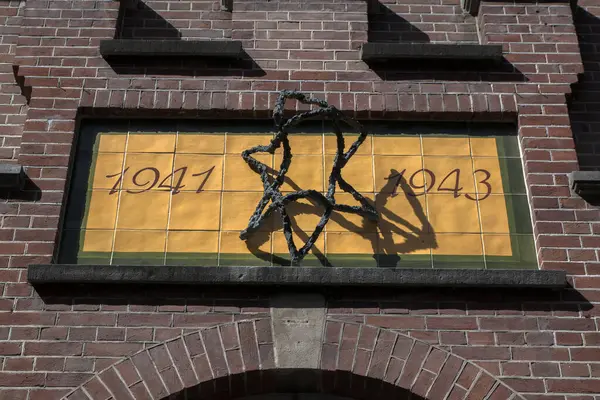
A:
(183, 197)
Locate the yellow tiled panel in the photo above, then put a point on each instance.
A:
(100, 241)
(107, 164)
(207, 168)
(364, 149)
(493, 212)
(237, 209)
(193, 242)
(203, 144)
(347, 222)
(280, 245)
(402, 213)
(446, 146)
(306, 172)
(491, 165)
(195, 211)
(148, 210)
(111, 143)
(397, 145)
(497, 245)
(232, 244)
(460, 244)
(151, 143)
(446, 176)
(140, 241)
(102, 213)
(304, 143)
(484, 147)
(394, 243)
(239, 175)
(304, 216)
(235, 144)
(449, 214)
(148, 164)
(392, 166)
(350, 243)
(358, 172)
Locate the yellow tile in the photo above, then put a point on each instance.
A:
(237, 209)
(488, 177)
(304, 143)
(497, 245)
(151, 143)
(102, 212)
(100, 241)
(207, 168)
(449, 214)
(458, 245)
(390, 167)
(364, 149)
(232, 244)
(446, 146)
(195, 211)
(450, 174)
(397, 145)
(347, 222)
(203, 144)
(111, 143)
(351, 243)
(148, 172)
(140, 241)
(280, 245)
(484, 147)
(148, 210)
(402, 213)
(494, 217)
(107, 171)
(393, 243)
(239, 175)
(193, 242)
(235, 144)
(304, 216)
(306, 172)
(358, 172)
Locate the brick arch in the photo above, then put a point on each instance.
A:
(237, 359)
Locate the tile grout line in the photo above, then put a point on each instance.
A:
(169, 209)
(220, 229)
(112, 252)
(478, 204)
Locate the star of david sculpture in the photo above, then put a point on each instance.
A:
(273, 200)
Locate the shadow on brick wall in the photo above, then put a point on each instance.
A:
(584, 104)
(386, 26)
(143, 23)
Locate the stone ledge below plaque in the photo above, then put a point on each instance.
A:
(430, 51)
(293, 276)
(231, 49)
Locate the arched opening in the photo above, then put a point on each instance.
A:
(295, 384)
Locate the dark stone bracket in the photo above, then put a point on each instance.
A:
(293, 276)
(231, 49)
(585, 184)
(432, 51)
(12, 176)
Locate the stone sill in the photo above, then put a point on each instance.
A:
(293, 276)
(432, 51)
(12, 176)
(171, 48)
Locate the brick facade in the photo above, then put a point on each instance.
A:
(104, 343)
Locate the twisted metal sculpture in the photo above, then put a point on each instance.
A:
(273, 195)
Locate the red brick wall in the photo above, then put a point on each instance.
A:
(535, 342)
